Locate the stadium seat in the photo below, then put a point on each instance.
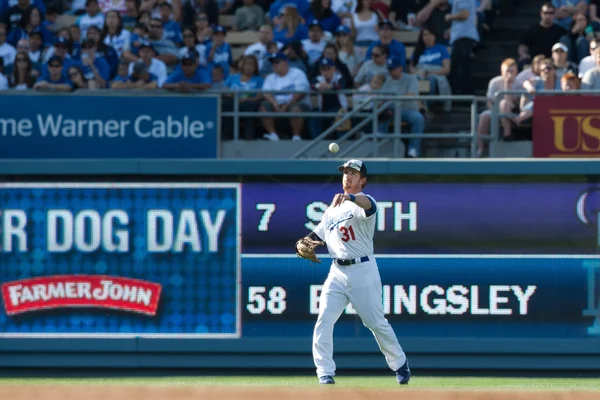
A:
(407, 37)
(227, 20)
(237, 52)
(241, 38)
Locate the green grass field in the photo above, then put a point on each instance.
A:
(464, 383)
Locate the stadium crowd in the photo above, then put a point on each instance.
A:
(322, 46)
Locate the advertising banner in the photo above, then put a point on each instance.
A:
(109, 126)
(566, 126)
(118, 260)
(437, 218)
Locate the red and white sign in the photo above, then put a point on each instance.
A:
(64, 291)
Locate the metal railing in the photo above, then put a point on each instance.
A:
(379, 102)
(498, 96)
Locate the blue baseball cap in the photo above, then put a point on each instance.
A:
(356, 165)
(393, 63)
(219, 29)
(342, 29)
(386, 22)
(278, 56)
(327, 62)
(314, 23)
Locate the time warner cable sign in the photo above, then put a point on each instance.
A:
(117, 260)
(109, 126)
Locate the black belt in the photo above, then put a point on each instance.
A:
(352, 261)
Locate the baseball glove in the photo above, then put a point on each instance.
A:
(305, 248)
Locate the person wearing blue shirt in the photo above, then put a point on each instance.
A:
(396, 50)
(189, 77)
(250, 80)
(55, 81)
(94, 67)
(61, 49)
(6, 4)
(219, 52)
(31, 21)
(171, 29)
(276, 8)
(291, 27)
(321, 11)
(140, 78)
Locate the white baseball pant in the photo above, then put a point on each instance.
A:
(359, 284)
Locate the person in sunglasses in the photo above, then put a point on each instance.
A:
(55, 81)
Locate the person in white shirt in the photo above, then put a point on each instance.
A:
(155, 66)
(289, 80)
(114, 34)
(588, 62)
(314, 45)
(259, 49)
(7, 52)
(93, 16)
(530, 73)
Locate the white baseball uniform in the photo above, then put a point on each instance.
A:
(348, 232)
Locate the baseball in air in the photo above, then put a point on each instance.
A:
(334, 147)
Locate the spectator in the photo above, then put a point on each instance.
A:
(569, 81)
(588, 62)
(3, 79)
(139, 34)
(171, 29)
(30, 22)
(364, 24)
(321, 11)
(203, 29)
(349, 55)
(431, 62)
(366, 92)
(34, 46)
(259, 49)
(402, 13)
(315, 44)
(94, 67)
(581, 32)
(566, 9)
(463, 37)
(140, 78)
(331, 52)
(12, 16)
(434, 16)
(219, 51)
(92, 17)
(531, 72)
(289, 80)
(508, 104)
(329, 80)
(102, 50)
(79, 81)
(166, 49)
(5, 5)
(55, 81)
(297, 58)
(561, 63)
(400, 83)
(276, 9)
(540, 38)
(22, 77)
(591, 79)
(190, 77)
(7, 51)
(193, 8)
(344, 10)
(122, 74)
(190, 44)
(248, 79)
(115, 35)
(60, 49)
(155, 66)
(546, 81)
(395, 49)
(290, 28)
(378, 65)
(130, 15)
(217, 78)
(249, 17)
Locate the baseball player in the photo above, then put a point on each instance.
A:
(347, 229)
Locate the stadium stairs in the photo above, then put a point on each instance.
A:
(512, 18)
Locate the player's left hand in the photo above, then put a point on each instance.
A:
(339, 198)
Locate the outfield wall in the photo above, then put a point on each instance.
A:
(486, 265)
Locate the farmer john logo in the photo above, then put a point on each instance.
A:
(95, 291)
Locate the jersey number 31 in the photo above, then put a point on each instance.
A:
(347, 233)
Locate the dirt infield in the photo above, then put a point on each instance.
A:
(100, 392)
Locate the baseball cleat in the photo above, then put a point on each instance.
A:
(403, 374)
(326, 380)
